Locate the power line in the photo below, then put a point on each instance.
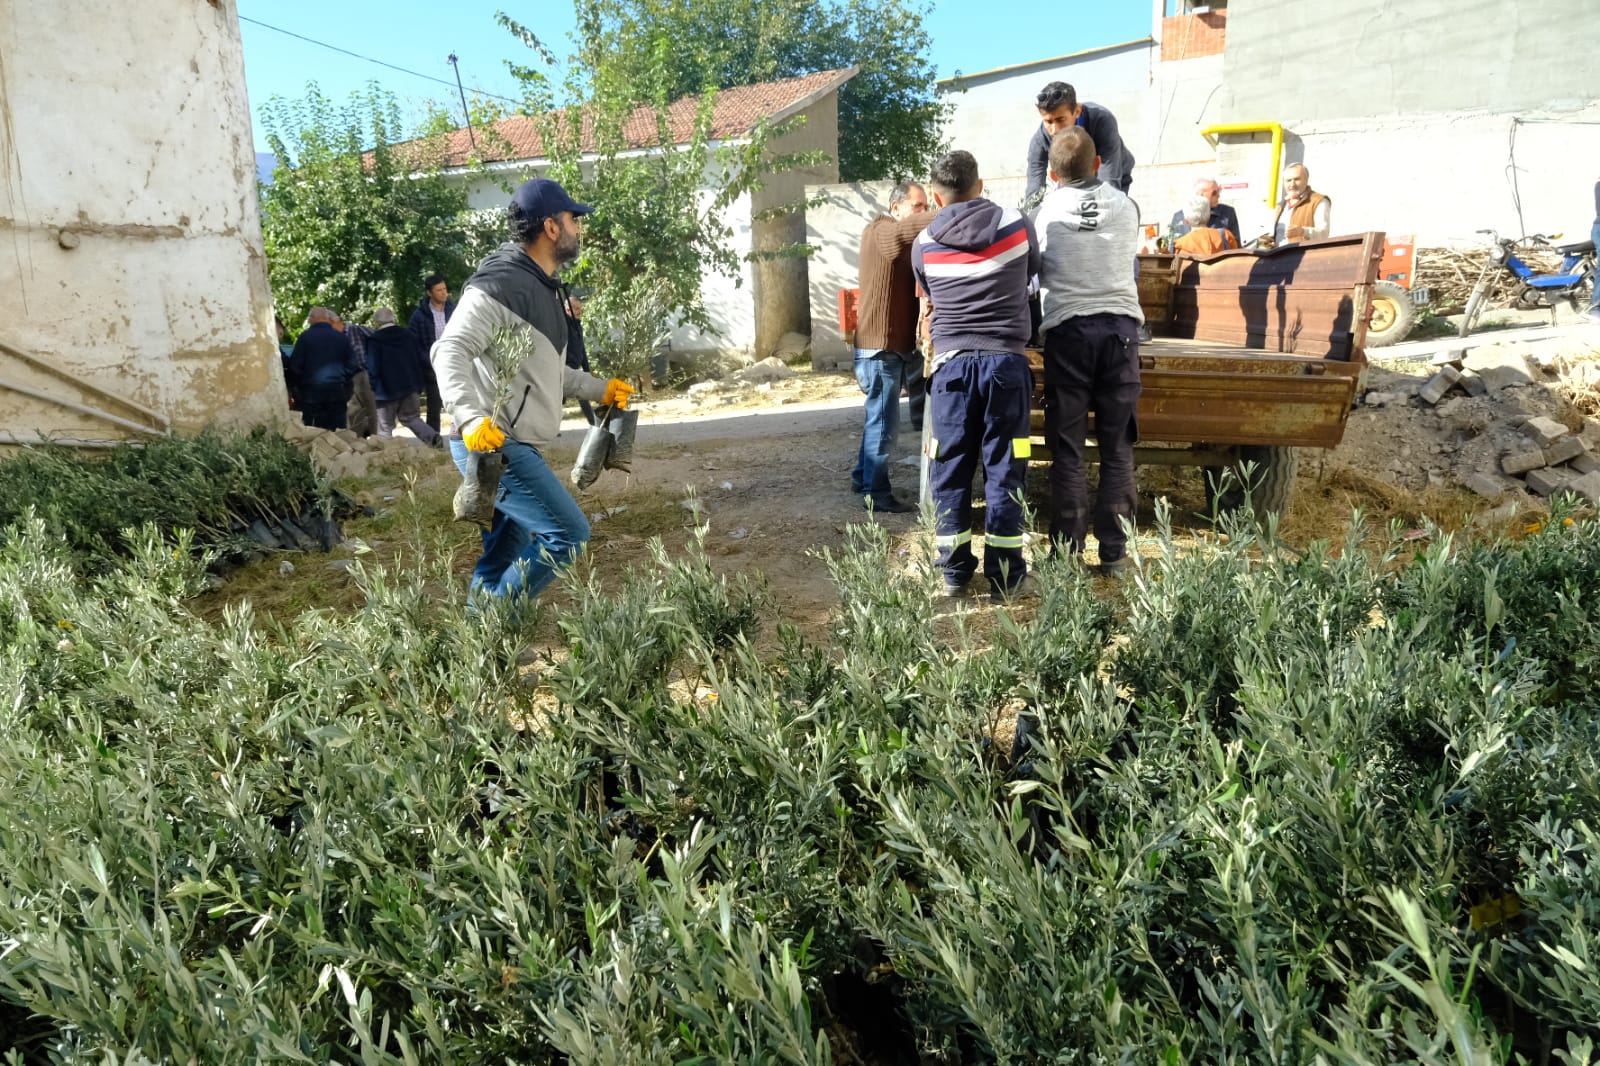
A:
(369, 59)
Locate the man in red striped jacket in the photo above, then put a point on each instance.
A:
(974, 262)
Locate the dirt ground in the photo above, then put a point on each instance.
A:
(767, 470)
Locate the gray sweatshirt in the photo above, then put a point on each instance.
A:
(510, 289)
(1088, 238)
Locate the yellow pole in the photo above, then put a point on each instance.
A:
(1211, 133)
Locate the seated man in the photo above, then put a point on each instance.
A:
(1222, 216)
(1308, 212)
(1202, 238)
(974, 261)
(1087, 233)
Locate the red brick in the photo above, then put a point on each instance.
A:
(1193, 36)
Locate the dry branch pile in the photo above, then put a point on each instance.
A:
(1449, 274)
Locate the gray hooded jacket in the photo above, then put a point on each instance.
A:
(510, 289)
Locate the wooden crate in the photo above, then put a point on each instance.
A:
(1158, 279)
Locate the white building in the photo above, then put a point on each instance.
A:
(1433, 117)
(768, 298)
(130, 244)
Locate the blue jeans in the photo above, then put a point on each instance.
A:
(880, 375)
(538, 527)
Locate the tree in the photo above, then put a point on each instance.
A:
(658, 224)
(889, 115)
(350, 223)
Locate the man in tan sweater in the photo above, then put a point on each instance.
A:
(886, 340)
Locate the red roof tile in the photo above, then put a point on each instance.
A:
(735, 113)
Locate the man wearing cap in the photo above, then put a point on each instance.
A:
(399, 372)
(538, 527)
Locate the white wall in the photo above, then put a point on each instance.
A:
(995, 115)
(1411, 129)
(130, 242)
(1443, 176)
(1160, 109)
(834, 227)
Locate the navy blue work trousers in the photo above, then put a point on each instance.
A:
(1091, 363)
(978, 402)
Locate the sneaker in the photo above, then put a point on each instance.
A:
(1144, 335)
(1108, 567)
(889, 506)
(955, 590)
(1027, 588)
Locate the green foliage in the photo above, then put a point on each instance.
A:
(889, 115)
(658, 226)
(351, 222)
(213, 484)
(389, 838)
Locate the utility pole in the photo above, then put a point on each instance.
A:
(464, 110)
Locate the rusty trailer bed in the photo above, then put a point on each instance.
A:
(1252, 348)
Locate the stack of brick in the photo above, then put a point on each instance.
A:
(1549, 456)
(1554, 459)
(343, 453)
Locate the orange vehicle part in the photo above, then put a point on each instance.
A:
(849, 299)
(1399, 260)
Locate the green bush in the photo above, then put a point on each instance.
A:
(1330, 807)
(213, 484)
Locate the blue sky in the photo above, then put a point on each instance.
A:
(968, 36)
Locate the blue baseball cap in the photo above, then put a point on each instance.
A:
(543, 198)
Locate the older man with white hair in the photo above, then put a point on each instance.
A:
(399, 372)
(1303, 215)
(1204, 237)
(320, 370)
(1221, 217)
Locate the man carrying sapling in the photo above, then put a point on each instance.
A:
(537, 527)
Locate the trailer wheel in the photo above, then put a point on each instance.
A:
(1271, 481)
(1393, 314)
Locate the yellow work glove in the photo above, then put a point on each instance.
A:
(484, 436)
(617, 393)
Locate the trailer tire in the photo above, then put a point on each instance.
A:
(1272, 482)
(1393, 314)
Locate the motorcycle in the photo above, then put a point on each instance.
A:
(1530, 290)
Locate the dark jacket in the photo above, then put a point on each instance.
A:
(1222, 217)
(322, 358)
(1116, 162)
(358, 337)
(577, 350)
(396, 364)
(510, 290)
(421, 324)
(974, 261)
